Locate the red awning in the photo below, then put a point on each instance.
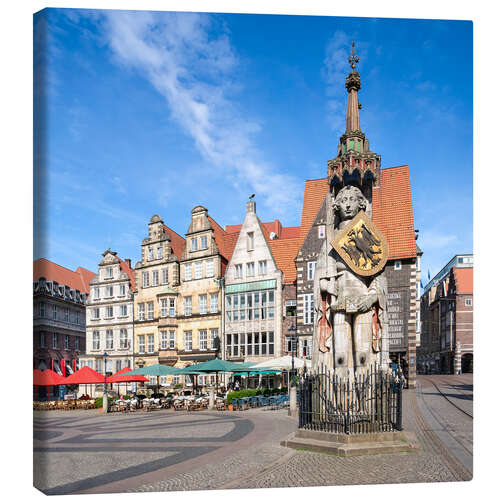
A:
(85, 375)
(119, 377)
(47, 377)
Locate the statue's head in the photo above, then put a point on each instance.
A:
(348, 202)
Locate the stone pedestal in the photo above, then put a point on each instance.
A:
(348, 445)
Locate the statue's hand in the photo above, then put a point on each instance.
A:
(366, 302)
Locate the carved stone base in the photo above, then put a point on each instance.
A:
(348, 445)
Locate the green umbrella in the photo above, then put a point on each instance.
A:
(216, 366)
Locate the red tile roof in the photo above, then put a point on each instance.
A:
(177, 242)
(284, 252)
(464, 279)
(314, 193)
(220, 238)
(128, 271)
(79, 279)
(392, 210)
(275, 227)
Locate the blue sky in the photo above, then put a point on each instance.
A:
(158, 112)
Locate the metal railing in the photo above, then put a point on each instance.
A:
(367, 403)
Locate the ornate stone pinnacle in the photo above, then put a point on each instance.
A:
(353, 58)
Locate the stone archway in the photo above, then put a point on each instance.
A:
(468, 363)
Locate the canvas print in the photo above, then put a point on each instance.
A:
(253, 256)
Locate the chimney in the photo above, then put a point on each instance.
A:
(250, 207)
(129, 263)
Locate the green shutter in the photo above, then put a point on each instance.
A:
(351, 143)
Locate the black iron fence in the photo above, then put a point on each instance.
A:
(366, 403)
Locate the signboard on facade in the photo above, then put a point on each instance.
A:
(397, 319)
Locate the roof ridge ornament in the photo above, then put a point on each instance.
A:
(353, 58)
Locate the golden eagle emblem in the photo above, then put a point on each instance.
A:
(362, 246)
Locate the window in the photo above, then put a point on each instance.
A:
(214, 302)
(262, 267)
(109, 272)
(171, 340)
(214, 334)
(198, 273)
(66, 314)
(156, 279)
(151, 311)
(194, 244)
(151, 253)
(238, 271)
(109, 312)
(118, 365)
(164, 340)
(98, 365)
(124, 344)
(122, 290)
(141, 312)
(109, 291)
(54, 312)
(145, 279)
(210, 268)
(42, 309)
(54, 341)
(164, 276)
(203, 243)
(188, 341)
(203, 304)
(163, 307)
(397, 265)
(290, 308)
(123, 310)
(308, 309)
(291, 344)
(171, 311)
(66, 342)
(321, 232)
(468, 302)
(159, 252)
(142, 346)
(96, 340)
(109, 339)
(188, 306)
(250, 241)
(203, 340)
(78, 318)
(95, 313)
(250, 269)
(96, 292)
(151, 343)
(42, 339)
(188, 272)
(311, 266)
(77, 343)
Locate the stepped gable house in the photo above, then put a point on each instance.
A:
(59, 297)
(389, 193)
(110, 315)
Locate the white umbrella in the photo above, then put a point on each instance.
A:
(284, 363)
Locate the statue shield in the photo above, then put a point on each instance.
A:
(362, 246)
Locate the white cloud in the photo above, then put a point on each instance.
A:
(436, 239)
(195, 71)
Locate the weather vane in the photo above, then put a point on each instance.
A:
(353, 58)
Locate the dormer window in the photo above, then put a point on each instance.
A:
(250, 241)
(203, 243)
(194, 244)
(151, 253)
(397, 265)
(109, 272)
(159, 252)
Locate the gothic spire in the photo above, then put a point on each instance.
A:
(353, 84)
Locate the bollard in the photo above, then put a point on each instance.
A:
(293, 401)
(105, 403)
(211, 400)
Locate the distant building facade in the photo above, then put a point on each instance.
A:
(447, 309)
(110, 316)
(59, 298)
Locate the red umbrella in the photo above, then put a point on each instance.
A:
(119, 377)
(85, 375)
(47, 378)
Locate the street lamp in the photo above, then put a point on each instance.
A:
(105, 395)
(293, 339)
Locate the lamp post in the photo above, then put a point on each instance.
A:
(105, 395)
(293, 339)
